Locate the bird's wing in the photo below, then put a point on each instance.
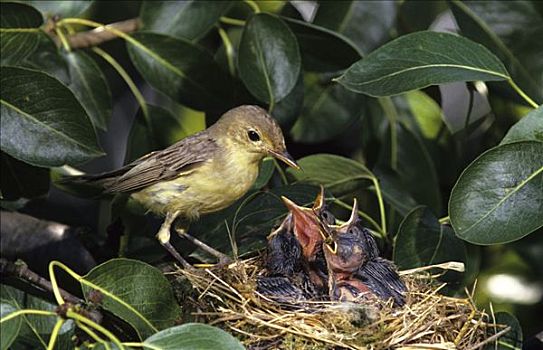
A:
(164, 165)
(381, 277)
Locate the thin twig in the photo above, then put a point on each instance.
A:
(99, 35)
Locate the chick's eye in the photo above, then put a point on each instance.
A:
(253, 136)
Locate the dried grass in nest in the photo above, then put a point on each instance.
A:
(429, 320)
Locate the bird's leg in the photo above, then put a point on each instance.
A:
(223, 258)
(163, 237)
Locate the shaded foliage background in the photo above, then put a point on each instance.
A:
(438, 135)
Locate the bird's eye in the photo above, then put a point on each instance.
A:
(253, 135)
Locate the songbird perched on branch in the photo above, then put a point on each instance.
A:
(354, 266)
(202, 173)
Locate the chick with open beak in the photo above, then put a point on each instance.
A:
(307, 226)
(354, 266)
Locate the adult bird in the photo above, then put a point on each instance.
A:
(354, 266)
(202, 173)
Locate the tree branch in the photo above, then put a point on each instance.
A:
(98, 36)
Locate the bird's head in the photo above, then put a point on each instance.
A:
(349, 246)
(252, 130)
(307, 224)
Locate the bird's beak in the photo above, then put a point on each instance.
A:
(319, 201)
(285, 157)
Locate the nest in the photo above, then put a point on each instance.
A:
(228, 298)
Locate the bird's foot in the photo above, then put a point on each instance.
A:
(224, 260)
(177, 256)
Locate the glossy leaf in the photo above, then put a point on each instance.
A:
(420, 59)
(19, 32)
(328, 110)
(512, 31)
(422, 241)
(90, 86)
(48, 59)
(322, 50)
(269, 59)
(499, 196)
(414, 166)
(35, 330)
(8, 329)
(182, 19)
(530, 127)
(61, 8)
(159, 131)
(289, 108)
(267, 168)
(193, 336)
(346, 17)
(394, 193)
(138, 293)
(181, 70)
(42, 122)
(426, 113)
(19, 179)
(337, 174)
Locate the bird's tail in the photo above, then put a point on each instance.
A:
(381, 277)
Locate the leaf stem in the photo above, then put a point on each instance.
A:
(91, 333)
(392, 115)
(280, 171)
(229, 49)
(232, 21)
(131, 85)
(522, 94)
(54, 333)
(381, 204)
(80, 318)
(444, 220)
(27, 312)
(142, 345)
(63, 40)
(253, 5)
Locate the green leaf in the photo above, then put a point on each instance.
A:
(512, 31)
(136, 292)
(265, 173)
(426, 112)
(530, 127)
(499, 196)
(328, 110)
(19, 179)
(421, 59)
(42, 122)
(181, 70)
(182, 19)
(322, 49)
(414, 166)
(193, 336)
(35, 329)
(422, 241)
(19, 32)
(346, 17)
(90, 86)
(48, 59)
(61, 8)
(269, 59)
(394, 193)
(289, 108)
(511, 340)
(161, 130)
(9, 329)
(337, 174)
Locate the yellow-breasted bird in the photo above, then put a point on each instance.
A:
(202, 173)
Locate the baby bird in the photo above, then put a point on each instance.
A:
(202, 173)
(294, 260)
(354, 265)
